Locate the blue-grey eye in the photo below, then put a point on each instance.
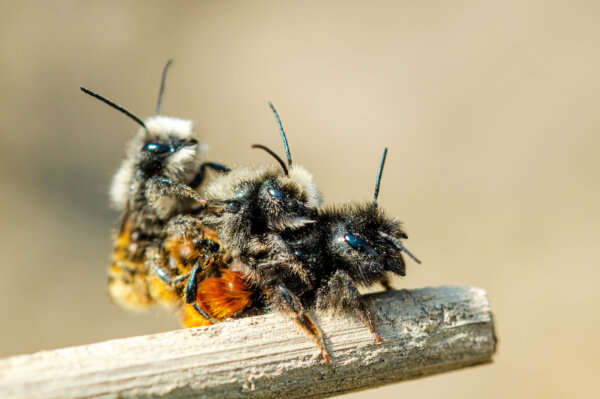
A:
(156, 148)
(359, 244)
(275, 193)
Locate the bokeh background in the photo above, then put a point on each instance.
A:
(491, 112)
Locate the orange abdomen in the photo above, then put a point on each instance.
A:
(225, 296)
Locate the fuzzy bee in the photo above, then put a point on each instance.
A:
(164, 163)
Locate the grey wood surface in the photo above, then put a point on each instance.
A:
(425, 331)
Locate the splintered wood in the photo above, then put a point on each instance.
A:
(424, 331)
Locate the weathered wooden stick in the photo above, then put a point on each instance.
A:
(424, 331)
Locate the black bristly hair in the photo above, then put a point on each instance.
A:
(162, 87)
(114, 105)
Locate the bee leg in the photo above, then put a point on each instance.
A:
(166, 276)
(162, 273)
(192, 292)
(342, 293)
(167, 186)
(291, 303)
(199, 178)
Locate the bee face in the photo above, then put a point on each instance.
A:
(362, 242)
(288, 202)
(169, 147)
(166, 147)
(259, 201)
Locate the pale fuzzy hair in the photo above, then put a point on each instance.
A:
(225, 186)
(304, 179)
(181, 166)
(162, 128)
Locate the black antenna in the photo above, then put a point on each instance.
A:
(262, 147)
(285, 142)
(374, 204)
(162, 86)
(115, 106)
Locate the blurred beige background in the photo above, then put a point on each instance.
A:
(490, 111)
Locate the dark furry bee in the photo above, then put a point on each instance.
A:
(155, 182)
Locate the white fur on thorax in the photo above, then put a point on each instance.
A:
(121, 184)
(226, 186)
(164, 127)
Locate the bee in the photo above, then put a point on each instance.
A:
(156, 181)
(247, 208)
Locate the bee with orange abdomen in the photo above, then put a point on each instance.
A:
(155, 182)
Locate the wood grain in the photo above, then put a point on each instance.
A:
(425, 331)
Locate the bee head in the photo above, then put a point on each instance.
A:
(288, 200)
(163, 146)
(258, 200)
(167, 146)
(364, 242)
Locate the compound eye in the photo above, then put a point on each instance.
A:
(275, 193)
(156, 148)
(359, 244)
